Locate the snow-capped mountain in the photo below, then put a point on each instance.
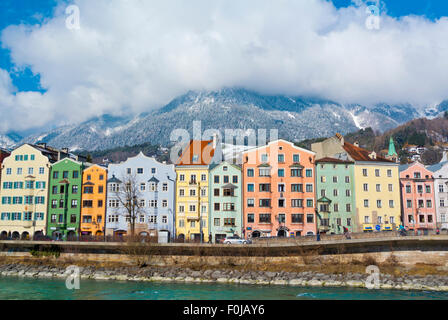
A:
(9, 140)
(296, 118)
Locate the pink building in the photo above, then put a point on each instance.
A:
(418, 201)
(279, 191)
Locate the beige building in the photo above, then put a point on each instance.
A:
(24, 190)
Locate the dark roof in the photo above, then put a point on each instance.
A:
(334, 160)
(113, 180)
(89, 183)
(154, 179)
(229, 186)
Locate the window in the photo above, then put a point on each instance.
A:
(428, 189)
(27, 216)
(181, 223)
(417, 175)
(75, 203)
(348, 193)
(323, 179)
(139, 170)
(378, 203)
(364, 172)
(192, 192)
(297, 203)
(378, 188)
(250, 203)
(366, 203)
(181, 209)
(113, 218)
(65, 175)
(216, 179)
(297, 218)
(217, 222)
(181, 192)
(55, 175)
(264, 158)
(88, 190)
(348, 207)
(391, 187)
(73, 218)
(389, 173)
(153, 170)
(347, 179)
(265, 187)
(309, 173)
(164, 203)
(100, 189)
(310, 203)
(380, 220)
(41, 170)
(335, 192)
(310, 218)
(377, 172)
(296, 172)
(182, 177)
(142, 186)
(165, 187)
(281, 172)
(250, 172)
(366, 187)
(366, 219)
(296, 188)
(203, 177)
(408, 189)
(428, 203)
(442, 202)
(265, 203)
(309, 188)
(192, 208)
(19, 171)
(100, 204)
(30, 170)
(441, 188)
(281, 158)
(229, 222)
(391, 204)
(217, 206)
(296, 158)
(336, 207)
(335, 179)
(250, 187)
(250, 218)
(408, 203)
(281, 187)
(74, 189)
(87, 204)
(8, 171)
(281, 203)
(265, 218)
(392, 220)
(235, 179)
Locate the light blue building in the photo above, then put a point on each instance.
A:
(226, 216)
(154, 185)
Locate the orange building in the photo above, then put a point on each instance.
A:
(93, 206)
(278, 189)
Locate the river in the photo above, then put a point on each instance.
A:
(41, 289)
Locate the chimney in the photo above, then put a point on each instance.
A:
(64, 150)
(42, 145)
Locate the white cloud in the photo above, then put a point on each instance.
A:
(129, 56)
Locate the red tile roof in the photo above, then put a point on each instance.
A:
(198, 153)
(360, 154)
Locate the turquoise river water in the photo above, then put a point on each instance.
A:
(40, 289)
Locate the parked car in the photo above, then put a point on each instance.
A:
(235, 240)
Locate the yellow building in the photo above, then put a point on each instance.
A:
(192, 187)
(376, 187)
(24, 191)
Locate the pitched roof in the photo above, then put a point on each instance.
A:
(361, 154)
(114, 180)
(333, 160)
(197, 153)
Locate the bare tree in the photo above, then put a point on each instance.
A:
(129, 197)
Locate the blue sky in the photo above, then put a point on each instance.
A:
(13, 12)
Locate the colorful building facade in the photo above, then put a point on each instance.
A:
(279, 191)
(93, 201)
(192, 190)
(24, 192)
(226, 218)
(335, 189)
(3, 154)
(377, 186)
(418, 201)
(154, 183)
(440, 174)
(64, 207)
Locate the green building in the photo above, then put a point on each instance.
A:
(64, 206)
(335, 191)
(226, 216)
